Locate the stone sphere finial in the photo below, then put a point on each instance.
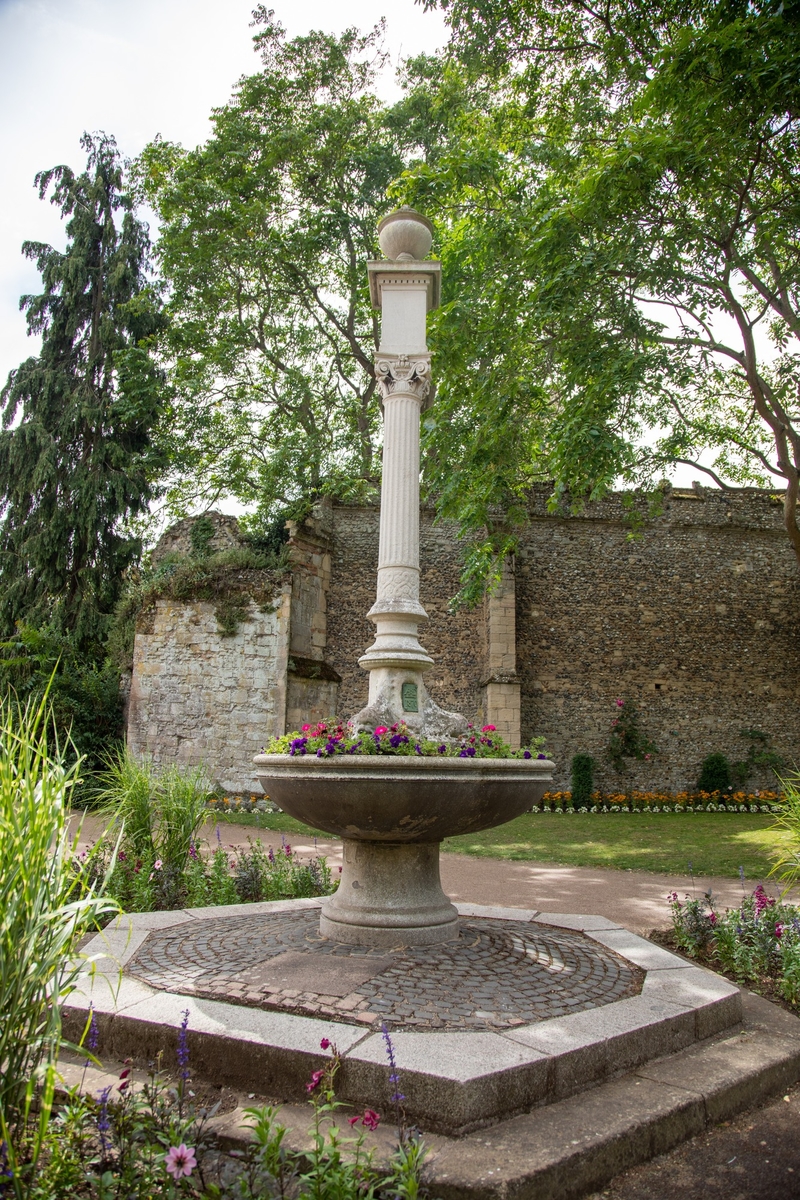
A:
(405, 235)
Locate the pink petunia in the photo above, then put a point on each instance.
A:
(380, 730)
(305, 728)
(488, 729)
(180, 1161)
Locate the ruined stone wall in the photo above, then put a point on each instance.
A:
(697, 621)
(198, 697)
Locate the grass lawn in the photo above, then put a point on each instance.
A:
(714, 843)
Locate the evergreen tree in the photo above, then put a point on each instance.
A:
(77, 456)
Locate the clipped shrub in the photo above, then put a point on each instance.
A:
(715, 774)
(582, 780)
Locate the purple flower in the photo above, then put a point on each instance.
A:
(541, 756)
(183, 1047)
(94, 1034)
(443, 749)
(417, 748)
(271, 855)
(527, 754)
(103, 1122)
(394, 1075)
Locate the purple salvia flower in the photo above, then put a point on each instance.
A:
(219, 839)
(93, 1039)
(103, 1121)
(394, 1075)
(183, 1047)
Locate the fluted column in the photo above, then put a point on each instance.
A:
(405, 288)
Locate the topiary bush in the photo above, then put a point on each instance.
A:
(715, 774)
(582, 780)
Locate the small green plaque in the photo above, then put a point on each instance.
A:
(409, 696)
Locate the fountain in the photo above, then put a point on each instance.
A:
(550, 1018)
(393, 812)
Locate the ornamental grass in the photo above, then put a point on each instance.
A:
(46, 905)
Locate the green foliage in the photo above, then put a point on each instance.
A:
(78, 461)
(265, 232)
(582, 780)
(45, 907)
(757, 942)
(158, 813)
(787, 857)
(83, 694)
(159, 863)
(232, 579)
(627, 739)
(118, 1144)
(618, 206)
(760, 756)
(715, 774)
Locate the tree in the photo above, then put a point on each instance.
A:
(630, 175)
(77, 455)
(265, 232)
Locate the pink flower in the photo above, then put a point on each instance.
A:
(780, 930)
(380, 730)
(157, 865)
(369, 1119)
(489, 729)
(305, 728)
(180, 1160)
(314, 1081)
(324, 1044)
(620, 703)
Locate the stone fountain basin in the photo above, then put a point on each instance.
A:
(383, 798)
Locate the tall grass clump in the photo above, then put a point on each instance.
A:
(158, 812)
(787, 856)
(46, 904)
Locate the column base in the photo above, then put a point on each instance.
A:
(390, 894)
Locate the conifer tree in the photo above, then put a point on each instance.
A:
(78, 458)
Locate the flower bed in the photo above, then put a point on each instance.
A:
(328, 738)
(665, 802)
(756, 943)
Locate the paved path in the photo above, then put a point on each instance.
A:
(636, 899)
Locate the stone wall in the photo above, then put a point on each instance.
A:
(197, 696)
(697, 621)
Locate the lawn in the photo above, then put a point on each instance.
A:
(714, 843)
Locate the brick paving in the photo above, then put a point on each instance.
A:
(499, 973)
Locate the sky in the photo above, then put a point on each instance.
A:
(133, 68)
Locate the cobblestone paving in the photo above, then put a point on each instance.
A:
(497, 974)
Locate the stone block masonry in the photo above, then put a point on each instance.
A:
(198, 697)
(697, 621)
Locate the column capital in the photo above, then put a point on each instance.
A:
(400, 373)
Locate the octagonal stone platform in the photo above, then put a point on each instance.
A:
(525, 1009)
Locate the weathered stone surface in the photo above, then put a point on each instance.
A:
(197, 697)
(695, 621)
